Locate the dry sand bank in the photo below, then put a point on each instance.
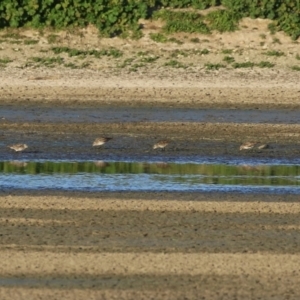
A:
(226, 89)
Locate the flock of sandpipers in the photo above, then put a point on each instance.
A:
(97, 142)
(159, 145)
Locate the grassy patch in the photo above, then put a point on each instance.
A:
(16, 42)
(178, 53)
(202, 52)
(52, 38)
(113, 52)
(182, 21)
(263, 36)
(276, 41)
(126, 62)
(272, 27)
(149, 59)
(13, 35)
(274, 53)
(297, 56)
(158, 37)
(210, 66)
(295, 68)
(195, 40)
(247, 64)
(4, 62)
(265, 64)
(47, 61)
(223, 20)
(30, 42)
(228, 59)
(227, 51)
(175, 64)
(174, 40)
(74, 66)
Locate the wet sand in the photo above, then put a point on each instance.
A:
(134, 140)
(149, 246)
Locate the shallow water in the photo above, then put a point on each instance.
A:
(145, 176)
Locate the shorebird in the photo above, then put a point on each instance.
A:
(263, 146)
(18, 147)
(101, 141)
(161, 144)
(101, 164)
(247, 146)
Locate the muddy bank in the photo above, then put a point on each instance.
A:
(134, 141)
(124, 114)
(154, 245)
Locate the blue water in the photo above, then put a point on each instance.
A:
(145, 176)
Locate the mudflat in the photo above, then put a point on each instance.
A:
(149, 245)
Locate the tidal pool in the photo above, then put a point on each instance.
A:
(145, 176)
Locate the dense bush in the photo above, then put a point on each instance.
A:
(109, 16)
(113, 17)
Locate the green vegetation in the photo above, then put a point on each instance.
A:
(228, 59)
(295, 68)
(121, 17)
(161, 38)
(175, 64)
(182, 21)
(210, 66)
(272, 27)
(263, 36)
(276, 41)
(274, 53)
(4, 62)
(174, 40)
(220, 173)
(74, 66)
(113, 52)
(223, 20)
(195, 40)
(178, 53)
(227, 51)
(47, 61)
(158, 37)
(30, 42)
(52, 38)
(265, 64)
(247, 64)
(149, 59)
(13, 35)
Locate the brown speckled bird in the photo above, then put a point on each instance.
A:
(247, 146)
(101, 141)
(161, 144)
(18, 147)
(263, 146)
